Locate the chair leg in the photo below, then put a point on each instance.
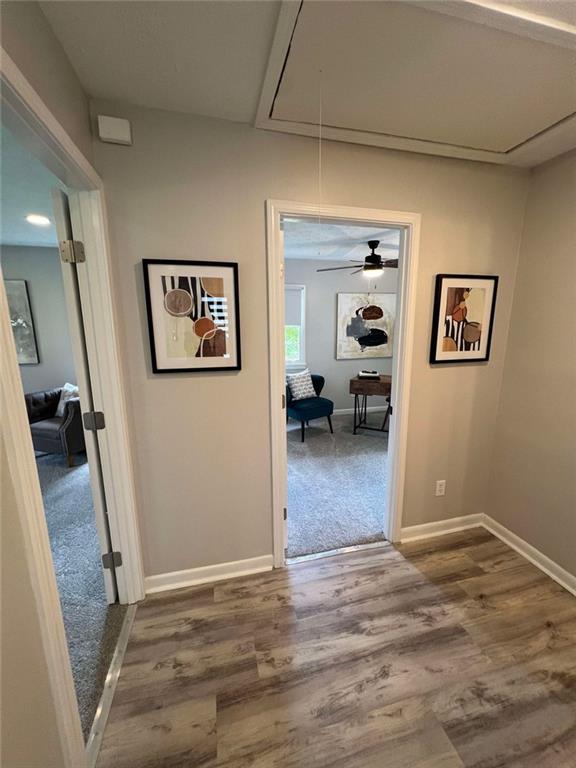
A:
(70, 459)
(330, 423)
(303, 427)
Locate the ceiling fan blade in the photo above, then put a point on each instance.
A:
(357, 270)
(332, 269)
(392, 263)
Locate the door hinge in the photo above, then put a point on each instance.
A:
(72, 251)
(285, 513)
(93, 420)
(112, 560)
(283, 402)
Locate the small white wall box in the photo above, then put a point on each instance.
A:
(114, 130)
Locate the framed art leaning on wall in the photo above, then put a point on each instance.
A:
(463, 318)
(22, 322)
(193, 315)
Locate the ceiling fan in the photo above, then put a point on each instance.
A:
(372, 265)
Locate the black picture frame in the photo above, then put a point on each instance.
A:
(466, 356)
(225, 265)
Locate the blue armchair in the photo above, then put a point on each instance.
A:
(310, 408)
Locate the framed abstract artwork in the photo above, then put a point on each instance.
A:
(22, 322)
(463, 318)
(193, 315)
(365, 325)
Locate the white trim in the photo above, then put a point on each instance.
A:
(30, 118)
(440, 527)
(208, 573)
(528, 551)
(537, 558)
(105, 704)
(499, 15)
(24, 476)
(101, 328)
(409, 223)
(26, 114)
(544, 146)
(287, 17)
(369, 409)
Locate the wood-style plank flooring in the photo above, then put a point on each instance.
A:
(444, 653)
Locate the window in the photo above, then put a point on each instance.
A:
(294, 328)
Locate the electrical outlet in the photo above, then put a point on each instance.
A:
(440, 487)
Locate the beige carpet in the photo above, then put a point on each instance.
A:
(336, 485)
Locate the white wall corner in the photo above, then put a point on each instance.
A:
(529, 552)
(537, 558)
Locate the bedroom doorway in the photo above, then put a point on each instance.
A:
(361, 448)
(48, 330)
(339, 325)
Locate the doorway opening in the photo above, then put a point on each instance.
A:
(339, 337)
(341, 317)
(49, 339)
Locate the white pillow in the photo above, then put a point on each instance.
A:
(300, 385)
(68, 392)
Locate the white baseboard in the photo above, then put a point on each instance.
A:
(369, 409)
(427, 530)
(537, 558)
(189, 578)
(533, 555)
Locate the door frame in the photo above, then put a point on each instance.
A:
(25, 113)
(409, 223)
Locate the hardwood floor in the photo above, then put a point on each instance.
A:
(444, 653)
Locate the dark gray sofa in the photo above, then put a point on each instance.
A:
(53, 434)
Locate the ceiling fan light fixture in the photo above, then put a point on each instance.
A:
(373, 270)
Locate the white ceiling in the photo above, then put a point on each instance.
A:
(491, 80)
(560, 10)
(208, 58)
(25, 187)
(326, 240)
(422, 75)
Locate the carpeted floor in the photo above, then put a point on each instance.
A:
(92, 627)
(336, 485)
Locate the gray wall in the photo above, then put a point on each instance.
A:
(28, 39)
(534, 467)
(322, 291)
(194, 187)
(40, 267)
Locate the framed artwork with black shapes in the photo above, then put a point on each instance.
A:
(193, 315)
(463, 318)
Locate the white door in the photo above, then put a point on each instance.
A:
(81, 363)
(283, 479)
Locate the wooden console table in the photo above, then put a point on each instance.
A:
(362, 389)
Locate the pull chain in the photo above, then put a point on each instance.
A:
(319, 151)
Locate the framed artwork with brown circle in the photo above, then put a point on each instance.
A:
(193, 315)
(463, 317)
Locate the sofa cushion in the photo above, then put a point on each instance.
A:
(47, 427)
(42, 405)
(300, 384)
